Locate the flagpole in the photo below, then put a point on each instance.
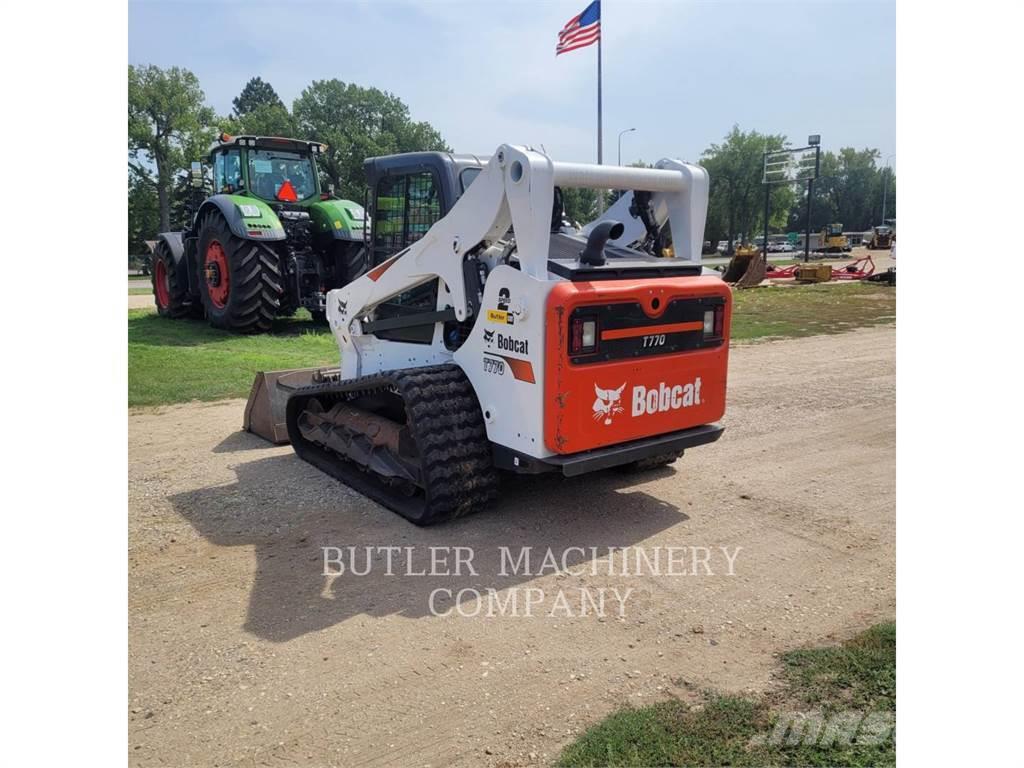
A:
(600, 138)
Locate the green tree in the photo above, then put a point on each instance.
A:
(259, 111)
(849, 191)
(579, 205)
(884, 190)
(169, 125)
(263, 120)
(143, 215)
(256, 94)
(357, 123)
(849, 179)
(736, 208)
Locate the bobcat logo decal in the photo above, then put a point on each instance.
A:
(608, 403)
(489, 337)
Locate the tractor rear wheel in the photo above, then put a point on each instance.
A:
(170, 289)
(240, 280)
(350, 261)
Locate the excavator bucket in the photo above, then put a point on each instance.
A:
(265, 409)
(746, 269)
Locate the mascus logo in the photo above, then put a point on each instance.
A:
(665, 397)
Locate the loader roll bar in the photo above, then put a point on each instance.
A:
(584, 176)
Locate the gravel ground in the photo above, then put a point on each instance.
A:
(242, 653)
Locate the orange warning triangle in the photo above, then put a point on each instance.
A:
(287, 192)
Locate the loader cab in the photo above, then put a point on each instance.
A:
(409, 192)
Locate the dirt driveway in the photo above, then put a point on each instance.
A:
(243, 653)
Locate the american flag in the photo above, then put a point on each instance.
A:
(580, 31)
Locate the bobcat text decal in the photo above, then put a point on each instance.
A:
(646, 401)
(665, 398)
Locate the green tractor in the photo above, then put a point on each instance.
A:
(267, 242)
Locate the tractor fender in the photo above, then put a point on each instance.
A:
(339, 220)
(174, 244)
(263, 226)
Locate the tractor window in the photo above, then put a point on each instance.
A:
(407, 206)
(227, 172)
(279, 175)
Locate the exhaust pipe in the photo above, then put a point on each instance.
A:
(599, 236)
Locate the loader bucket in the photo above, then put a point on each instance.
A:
(265, 409)
(745, 270)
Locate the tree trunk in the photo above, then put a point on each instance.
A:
(163, 194)
(164, 200)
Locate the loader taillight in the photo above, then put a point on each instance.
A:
(583, 336)
(714, 322)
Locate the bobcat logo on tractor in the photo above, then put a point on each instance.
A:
(608, 403)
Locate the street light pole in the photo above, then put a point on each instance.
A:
(628, 130)
(885, 186)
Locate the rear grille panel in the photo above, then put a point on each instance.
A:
(626, 331)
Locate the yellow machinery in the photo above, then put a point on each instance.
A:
(882, 238)
(833, 240)
(746, 268)
(812, 273)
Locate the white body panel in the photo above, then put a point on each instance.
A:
(515, 189)
(513, 409)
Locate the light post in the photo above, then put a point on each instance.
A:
(621, 133)
(814, 140)
(885, 186)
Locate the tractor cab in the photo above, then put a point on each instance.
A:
(274, 169)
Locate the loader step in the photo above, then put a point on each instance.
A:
(412, 440)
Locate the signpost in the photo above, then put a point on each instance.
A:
(788, 166)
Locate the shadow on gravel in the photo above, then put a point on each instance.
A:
(241, 441)
(287, 510)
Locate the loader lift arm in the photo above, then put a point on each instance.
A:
(514, 190)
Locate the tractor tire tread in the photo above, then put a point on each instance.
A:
(180, 302)
(256, 281)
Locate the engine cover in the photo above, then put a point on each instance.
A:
(655, 365)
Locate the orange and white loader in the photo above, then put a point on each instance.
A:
(492, 340)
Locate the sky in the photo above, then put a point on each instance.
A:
(484, 73)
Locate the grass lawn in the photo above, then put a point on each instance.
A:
(857, 677)
(140, 291)
(174, 361)
(807, 310)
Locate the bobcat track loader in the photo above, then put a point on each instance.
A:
(491, 341)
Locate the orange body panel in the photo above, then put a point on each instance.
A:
(604, 403)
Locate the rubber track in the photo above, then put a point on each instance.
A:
(257, 284)
(653, 462)
(447, 426)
